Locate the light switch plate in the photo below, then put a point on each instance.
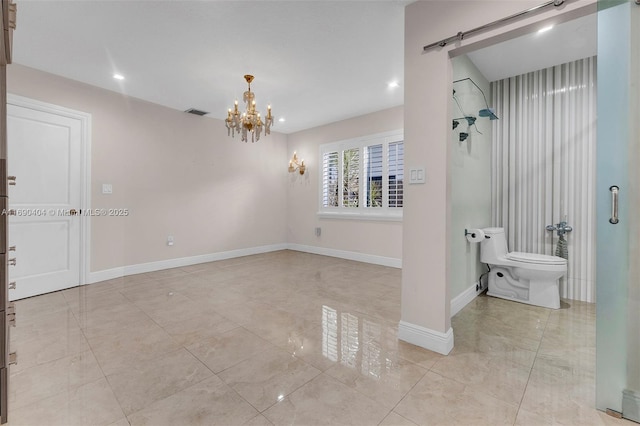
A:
(417, 175)
(107, 188)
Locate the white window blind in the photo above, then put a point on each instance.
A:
(363, 178)
(396, 174)
(373, 174)
(330, 178)
(351, 177)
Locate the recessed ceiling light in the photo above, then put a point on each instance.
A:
(393, 85)
(545, 29)
(281, 119)
(118, 76)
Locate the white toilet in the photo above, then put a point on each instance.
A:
(522, 277)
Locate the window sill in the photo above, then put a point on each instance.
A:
(383, 217)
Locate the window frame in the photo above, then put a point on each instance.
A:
(362, 212)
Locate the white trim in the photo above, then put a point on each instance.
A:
(464, 298)
(631, 405)
(140, 268)
(85, 170)
(109, 274)
(387, 216)
(426, 338)
(106, 274)
(349, 255)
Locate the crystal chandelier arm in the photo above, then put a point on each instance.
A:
(244, 133)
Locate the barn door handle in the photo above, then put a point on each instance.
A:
(614, 204)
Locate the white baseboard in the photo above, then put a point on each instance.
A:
(349, 255)
(140, 268)
(426, 338)
(464, 298)
(104, 275)
(109, 274)
(631, 405)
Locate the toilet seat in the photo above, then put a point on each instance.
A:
(540, 259)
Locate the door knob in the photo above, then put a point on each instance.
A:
(73, 212)
(12, 180)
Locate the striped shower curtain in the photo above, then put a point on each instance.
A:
(543, 170)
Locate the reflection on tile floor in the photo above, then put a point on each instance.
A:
(291, 338)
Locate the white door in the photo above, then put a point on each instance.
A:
(44, 151)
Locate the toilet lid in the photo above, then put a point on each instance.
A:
(536, 258)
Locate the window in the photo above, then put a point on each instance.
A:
(330, 183)
(396, 173)
(373, 174)
(351, 177)
(363, 178)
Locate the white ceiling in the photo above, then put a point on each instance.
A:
(315, 62)
(566, 42)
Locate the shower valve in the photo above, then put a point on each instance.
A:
(561, 228)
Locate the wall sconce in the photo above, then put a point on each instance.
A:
(294, 164)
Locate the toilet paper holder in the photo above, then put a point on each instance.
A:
(473, 234)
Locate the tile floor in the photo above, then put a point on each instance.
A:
(291, 338)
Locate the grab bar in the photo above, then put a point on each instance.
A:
(614, 205)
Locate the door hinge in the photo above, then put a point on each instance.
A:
(13, 15)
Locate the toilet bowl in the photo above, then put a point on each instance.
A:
(522, 277)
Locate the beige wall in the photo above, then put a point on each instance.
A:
(470, 171)
(375, 238)
(179, 175)
(427, 225)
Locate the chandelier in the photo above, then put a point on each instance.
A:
(249, 121)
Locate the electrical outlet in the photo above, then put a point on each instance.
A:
(170, 240)
(318, 231)
(107, 188)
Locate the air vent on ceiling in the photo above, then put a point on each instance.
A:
(196, 111)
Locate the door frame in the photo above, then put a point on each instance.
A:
(85, 171)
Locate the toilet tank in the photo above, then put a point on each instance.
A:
(494, 247)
